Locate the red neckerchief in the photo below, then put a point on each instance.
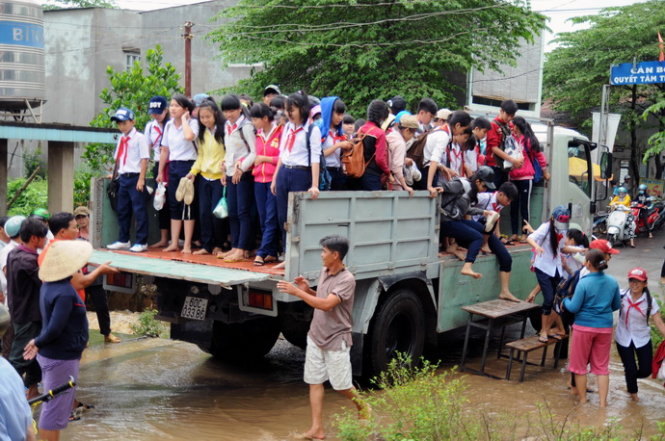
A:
(123, 149)
(159, 135)
(230, 128)
(291, 139)
(633, 305)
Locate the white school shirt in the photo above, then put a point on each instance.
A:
(179, 148)
(487, 201)
(297, 157)
(546, 262)
(637, 329)
(137, 150)
(435, 146)
(153, 133)
(332, 160)
(455, 154)
(236, 148)
(471, 159)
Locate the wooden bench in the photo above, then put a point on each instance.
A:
(529, 344)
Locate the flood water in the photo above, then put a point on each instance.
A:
(156, 389)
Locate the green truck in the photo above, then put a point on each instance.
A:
(406, 294)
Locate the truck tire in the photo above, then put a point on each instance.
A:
(241, 342)
(295, 332)
(398, 326)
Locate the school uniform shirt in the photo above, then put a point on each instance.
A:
(454, 158)
(210, 160)
(333, 160)
(487, 201)
(153, 133)
(547, 262)
(238, 148)
(130, 151)
(632, 324)
(471, 159)
(267, 144)
(293, 146)
(174, 139)
(435, 146)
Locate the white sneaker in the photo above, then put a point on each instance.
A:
(138, 248)
(118, 245)
(490, 221)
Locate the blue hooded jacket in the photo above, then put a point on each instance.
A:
(327, 104)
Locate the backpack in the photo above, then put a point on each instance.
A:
(537, 169)
(509, 145)
(417, 150)
(450, 208)
(353, 159)
(325, 179)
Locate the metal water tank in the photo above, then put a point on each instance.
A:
(22, 76)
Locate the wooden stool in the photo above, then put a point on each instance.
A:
(526, 345)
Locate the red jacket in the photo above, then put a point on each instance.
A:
(381, 145)
(658, 359)
(494, 139)
(526, 171)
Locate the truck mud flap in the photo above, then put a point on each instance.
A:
(198, 332)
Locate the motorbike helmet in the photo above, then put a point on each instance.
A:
(42, 213)
(486, 175)
(622, 190)
(642, 188)
(561, 216)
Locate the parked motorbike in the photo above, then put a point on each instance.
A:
(617, 227)
(645, 217)
(657, 204)
(599, 228)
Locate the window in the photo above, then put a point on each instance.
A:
(131, 55)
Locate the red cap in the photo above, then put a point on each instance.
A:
(638, 274)
(604, 246)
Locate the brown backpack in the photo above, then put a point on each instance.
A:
(417, 150)
(353, 159)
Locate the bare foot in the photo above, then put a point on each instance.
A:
(186, 250)
(470, 272)
(236, 256)
(509, 296)
(216, 251)
(223, 254)
(172, 247)
(280, 265)
(485, 250)
(634, 397)
(160, 244)
(311, 435)
(200, 252)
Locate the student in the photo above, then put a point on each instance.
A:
(298, 165)
(457, 199)
(329, 338)
(427, 109)
(397, 104)
(402, 133)
(633, 333)
(131, 155)
(501, 127)
(270, 92)
(23, 287)
(523, 176)
(240, 142)
(547, 242)
(436, 148)
(375, 149)
(209, 167)
(596, 297)
(333, 139)
(179, 152)
(623, 198)
(12, 229)
(479, 128)
(158, 109)
(348, 126)
(576, 245)
(454, 156)
(268, 137)
(494, 201)
(278, 105)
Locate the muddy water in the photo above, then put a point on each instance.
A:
(155, 389)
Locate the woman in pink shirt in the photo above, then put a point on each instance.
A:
(268, 137)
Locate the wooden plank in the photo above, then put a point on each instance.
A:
(498, 308)
(532, 343)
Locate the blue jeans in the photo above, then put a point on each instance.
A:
(288, 180)
(130, 200)
(470, 234)
(178, 170)
(548, 286)
(266, 204)
(240, 198)
(338, 179)
(209, 193)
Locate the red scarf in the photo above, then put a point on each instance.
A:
(123, 149)
(291, 139)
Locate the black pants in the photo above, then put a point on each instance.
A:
(633, 370)
(97, 294)
(23, 333)
(164, 215)
(520, 206)
(500, 176)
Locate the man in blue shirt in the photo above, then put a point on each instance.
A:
(15, 415)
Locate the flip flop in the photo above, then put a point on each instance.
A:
(259, 261)
(543, 339)
(556, 336)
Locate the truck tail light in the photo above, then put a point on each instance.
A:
(260, 299)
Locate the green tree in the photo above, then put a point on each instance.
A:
(60, 4)
(375, 48)
(132, 89)
(575, 72)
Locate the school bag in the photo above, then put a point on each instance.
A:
(325, 179)
(353, 160)
(565, 289)
(449, 202)
(537, 169)
(417, 150)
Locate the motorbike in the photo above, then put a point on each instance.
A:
(657, 204)
(646, 216)
(599, 227)
(617, 224)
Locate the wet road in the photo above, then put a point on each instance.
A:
(154, 389)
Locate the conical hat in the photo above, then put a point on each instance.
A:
(63, 259)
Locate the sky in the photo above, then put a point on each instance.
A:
(558, 11)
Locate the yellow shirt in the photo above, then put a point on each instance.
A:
(616, 200)
(210, 159)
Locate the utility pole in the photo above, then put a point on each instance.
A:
(188, 57)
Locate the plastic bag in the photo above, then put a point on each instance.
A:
(160, 197)
(221, 210)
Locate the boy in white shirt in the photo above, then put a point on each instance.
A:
(495, 201)
(131, 155)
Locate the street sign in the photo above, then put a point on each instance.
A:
(646, 72)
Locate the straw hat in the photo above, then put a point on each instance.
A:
(63, 259)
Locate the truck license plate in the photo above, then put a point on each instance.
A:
(194, 308)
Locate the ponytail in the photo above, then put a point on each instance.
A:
(597, 259)
(554, 241)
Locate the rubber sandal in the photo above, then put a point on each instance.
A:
(555, 336)
(543, 340)
(259, 261)
(270, 259)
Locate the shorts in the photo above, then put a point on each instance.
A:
(590, 346)
(322, 365)
(55, 413)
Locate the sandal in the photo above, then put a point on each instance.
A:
(259, 261)
(270, 259)
(555, 336)
(542, 339)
